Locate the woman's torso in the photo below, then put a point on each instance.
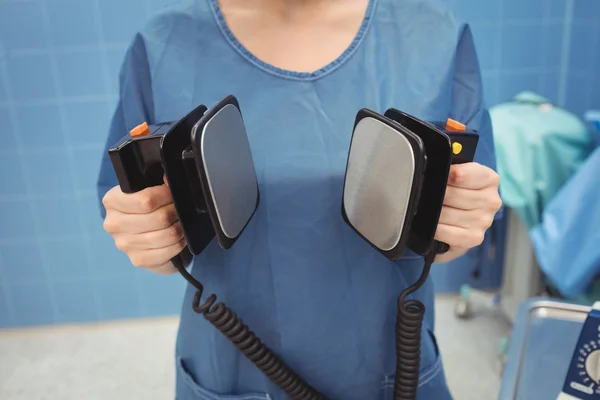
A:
(312, 290)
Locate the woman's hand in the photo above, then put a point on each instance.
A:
(145, 226)
(471, 202)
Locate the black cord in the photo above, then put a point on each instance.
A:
(409, 322)
(232, 326)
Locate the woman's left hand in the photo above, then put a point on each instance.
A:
(471, 202)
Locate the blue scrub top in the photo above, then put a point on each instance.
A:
(312, 290)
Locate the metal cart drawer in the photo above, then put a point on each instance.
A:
(541, 346)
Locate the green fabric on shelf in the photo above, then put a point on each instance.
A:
(538, 148)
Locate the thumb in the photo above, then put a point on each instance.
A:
(165, 180)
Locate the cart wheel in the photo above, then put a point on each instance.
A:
(496, 300)
(502, 354)
(465, 292)
(463, 308)
(503, 346)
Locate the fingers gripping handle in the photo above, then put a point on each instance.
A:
(442, 248)
(463, 151)
(138, 165)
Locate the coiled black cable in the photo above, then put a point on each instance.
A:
(409, 322)
(232, 326)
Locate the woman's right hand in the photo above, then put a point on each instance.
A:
(145, 226)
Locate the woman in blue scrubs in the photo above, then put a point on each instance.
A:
(318, 295)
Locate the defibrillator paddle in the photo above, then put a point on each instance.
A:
(396, 178)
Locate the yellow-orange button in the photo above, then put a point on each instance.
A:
(140, 130)
(455, 126)
(456, 148)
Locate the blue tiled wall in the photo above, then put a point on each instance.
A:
(549, 46)
(58, 69)
(582, 90)
(59, 63)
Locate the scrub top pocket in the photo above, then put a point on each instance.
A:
(189, 389)
(432, 380)
(432, 385)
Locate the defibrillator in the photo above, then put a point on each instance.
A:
(394, 185)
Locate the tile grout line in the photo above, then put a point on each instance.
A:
(16, 130)
(542, 80)
(44, 196)
(70, 159)
(98, 21)
(10, 308)
(4, 286)
(565, 52)
(53, 150)
(105, 68)
(18, 1)
(595, 61)
(500, 47)
(49, 239)
(105, 278)
(513, 71)
(106, 79)
(497, 54)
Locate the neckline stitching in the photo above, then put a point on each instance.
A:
(289, 74)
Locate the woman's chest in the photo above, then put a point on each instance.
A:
(299, 130)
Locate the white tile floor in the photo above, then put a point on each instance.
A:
(470, 349)
(94, 362)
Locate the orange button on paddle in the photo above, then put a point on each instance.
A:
(140, 130)
(455, 126)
